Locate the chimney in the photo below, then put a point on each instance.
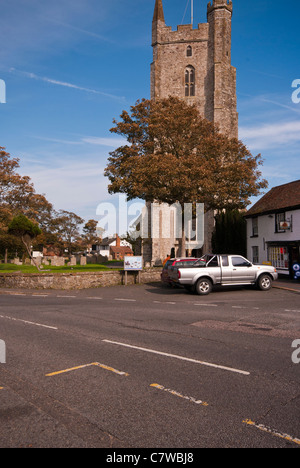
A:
(118, 242)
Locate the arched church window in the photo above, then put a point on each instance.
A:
(189, 81)
(189, 51)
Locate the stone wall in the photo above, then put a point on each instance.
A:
(75, 280)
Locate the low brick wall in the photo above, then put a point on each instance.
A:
(82, 280)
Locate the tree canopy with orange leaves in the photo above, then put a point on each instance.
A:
(175, 155)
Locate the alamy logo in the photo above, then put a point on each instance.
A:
(2, 352)
(2, 92)
(296, 354)
(146, 220)
(296, 93)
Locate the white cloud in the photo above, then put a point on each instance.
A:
(98, 141)
(66, 84)
(70, 184)
(271, 135)
(113, 142)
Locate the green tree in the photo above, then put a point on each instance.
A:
(65, 225)
(89, 230)
(26, 230)
(229, 235)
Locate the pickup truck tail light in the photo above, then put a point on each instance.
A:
(178, 274)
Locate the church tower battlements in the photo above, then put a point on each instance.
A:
(195, 64)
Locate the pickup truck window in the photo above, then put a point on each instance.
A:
(213, 262)
(201, 262)
(240, 262)
(225, 260)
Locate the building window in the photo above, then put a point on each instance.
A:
(189, 51)
(254, 227)
(279, 218)
(279, 257)
(189, 81)
(255, 254)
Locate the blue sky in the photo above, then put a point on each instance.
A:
(71, 66)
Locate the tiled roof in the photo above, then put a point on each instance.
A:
(278, 198)
(121, 249)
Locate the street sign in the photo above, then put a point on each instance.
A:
(133, 263)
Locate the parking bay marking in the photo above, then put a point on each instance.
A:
(263, 428)
(98, 364)
(182, 358)
(174, 392)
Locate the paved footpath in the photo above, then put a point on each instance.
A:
(288, 284)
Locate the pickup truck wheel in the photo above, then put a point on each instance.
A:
(203, 287)
(264, 282)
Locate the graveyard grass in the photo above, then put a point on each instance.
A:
(28, 269)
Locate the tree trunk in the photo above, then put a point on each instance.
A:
(182, 247)
(29, 253)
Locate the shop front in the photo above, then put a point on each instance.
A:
(283, 256)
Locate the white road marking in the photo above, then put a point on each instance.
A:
(66, 296)
(17, 294)
(126, 300)
(27, 322)
(207, 305)
(182, 358)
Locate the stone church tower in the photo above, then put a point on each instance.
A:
(195, 65)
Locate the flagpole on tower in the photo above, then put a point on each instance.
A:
(192, 12)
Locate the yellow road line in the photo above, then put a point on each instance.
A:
(174, 392)
(103, 366)
(110, 369)
(68, 370)
(275, 433)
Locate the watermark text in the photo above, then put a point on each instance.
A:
(154, 220)
(296, 93)
(296, 353)
(2, 92)
(2, 352)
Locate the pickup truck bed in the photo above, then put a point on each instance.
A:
(223, 270)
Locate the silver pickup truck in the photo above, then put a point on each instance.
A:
(223, 270)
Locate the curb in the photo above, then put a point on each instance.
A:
(286, 289)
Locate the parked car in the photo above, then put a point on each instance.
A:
(178, 262)
(222, 270)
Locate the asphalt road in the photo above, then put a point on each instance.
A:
(146, 366)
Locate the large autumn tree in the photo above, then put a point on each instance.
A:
(174, 155)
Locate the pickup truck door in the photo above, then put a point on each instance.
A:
(242, 271)
(226, 269)
(213, 268)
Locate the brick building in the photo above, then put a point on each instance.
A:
(195, 65)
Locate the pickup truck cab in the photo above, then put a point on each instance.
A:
(223, 270)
